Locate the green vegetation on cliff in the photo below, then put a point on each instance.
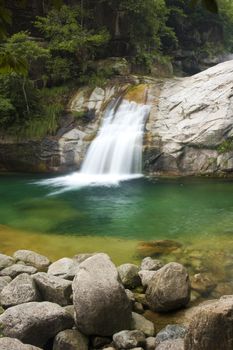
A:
(60, 44)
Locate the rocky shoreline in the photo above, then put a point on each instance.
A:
(88, 303)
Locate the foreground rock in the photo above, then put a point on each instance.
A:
(34, 322)
(169, 289)
(140, 323)
(212, 326)
(4, 281)
(31, 258)
(70, 340)
(64, 268)
(150, 264)
(21, 290)
(129, 275)
(176, 344)
(5, 261)
(17, 269)
(129, 339)
(101, 304)
(170, 332)
(54, 289)
(14, 344)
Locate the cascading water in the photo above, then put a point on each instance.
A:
(116, 153)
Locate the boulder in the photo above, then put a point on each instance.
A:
(129, 339)
(21, 290)
(4, 281)
(33, 259)
(14, 344)
(169, 289)
(171, 331)
(150, 264)
(101, 304)
(212, 326)
(54, 289)
(138, 307)
(140, 323)
(64, 268)
(146, 276)
(174, 344)
(35, 322)
(70, 339)
(150, 343)
(129, 275)
(17, 269)
(5, 261)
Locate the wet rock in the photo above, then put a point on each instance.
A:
(101, 304)
(70, 339)
(65, 268)
(21, 290)
(150, 343)
(170, 332)
(150, 264)
(17, 269)
(157, 248)
(54, 289)
(211, 327)
(169, 289)
(203, 283)
(146, 276)
(33, 259)
(34, 322)
(142, 324)
(222, 289)
(129, 339)
(4, 281)
(129, 275)
(5, 261)
(175, 344)
(14, 344)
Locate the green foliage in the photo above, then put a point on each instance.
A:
(226, 146)
(7, 111)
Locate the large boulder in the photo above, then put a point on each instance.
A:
(35, 322)
(21, 290)
(5, 261)
(14, 344)
(70, 339)
(17, 269)
(169, 289)
(31, 258)
(64, 268)
(129, 339)
(54, 289)
(101, 304)
(129, 275)
(212, 326)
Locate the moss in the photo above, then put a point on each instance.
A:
(226, 146)
(137, 93)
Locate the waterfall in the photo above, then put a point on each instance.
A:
(116, 152)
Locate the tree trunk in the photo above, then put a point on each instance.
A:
(25, 95)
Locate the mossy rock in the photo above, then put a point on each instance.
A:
(137, 93)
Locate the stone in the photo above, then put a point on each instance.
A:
(4, 281)
(142, 324)
(101, 304)
(33, 259)
(203, 283)
(70, 310)
(211, 326)
(5, 261)
(129, 339)
(100, 342)
(158, 247)
(138, 307)
(171, 331)
(54, 289)
(150, 343)
(146, 276)
(169, 289)
(70, 339)
(175, 344)
(130, 295)
(65, 268)
(17, 269)
(129, 275)
(35, 322)
(14, 344)
(79, 258)
(150, 264)
(21, 290)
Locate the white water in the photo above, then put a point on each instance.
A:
(116, 153)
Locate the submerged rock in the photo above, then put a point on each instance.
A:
(129, 275)
(169, 289)
(21, 290)
(129, 339)
(101, 304)
(31, 258)
(34, 322)
(212, 326)
(157, 248)
(203, 283)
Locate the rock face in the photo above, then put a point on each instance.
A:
(31, 258)
(211, 327)
(34, 322)
(21, 290)
(169, 289)
(101, 304)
